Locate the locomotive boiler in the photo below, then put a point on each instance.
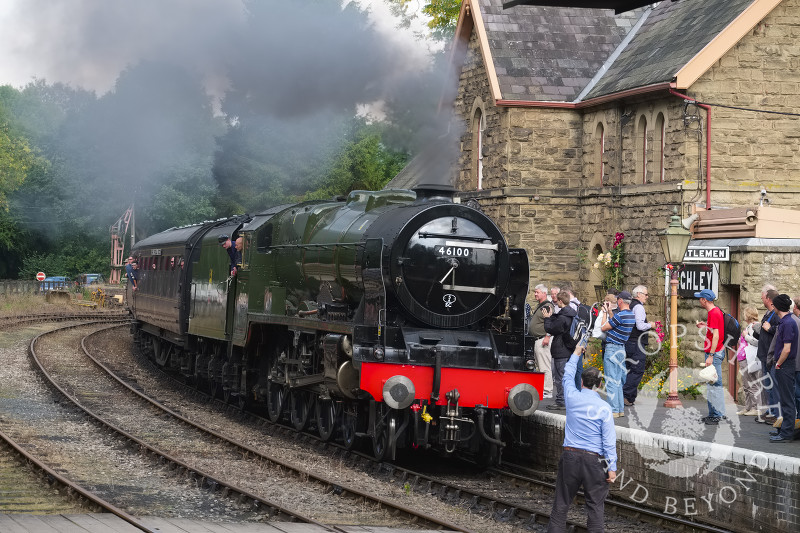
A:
(394, 317)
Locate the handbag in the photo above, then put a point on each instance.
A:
(751, 355)
(598, 333)
(708, 374)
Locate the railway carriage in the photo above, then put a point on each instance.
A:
(393, 316)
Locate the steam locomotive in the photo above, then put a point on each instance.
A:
(393, 317)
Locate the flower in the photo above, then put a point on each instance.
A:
(659, 329)
(610, 263)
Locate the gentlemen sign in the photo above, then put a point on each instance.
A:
(705, 254)
(698, 276)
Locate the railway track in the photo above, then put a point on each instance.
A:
(500, 498)
(70, 489)
(38, 318)
(511, 511)
(212, 460)
(86, 465)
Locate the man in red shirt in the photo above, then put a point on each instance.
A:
(715, 354)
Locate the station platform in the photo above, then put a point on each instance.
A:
(668, 459)
(109, 523)
(649, 414)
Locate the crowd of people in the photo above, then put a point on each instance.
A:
(622, 326)
(769, 365)
(766, 355)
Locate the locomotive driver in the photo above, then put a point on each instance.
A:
(234, 251)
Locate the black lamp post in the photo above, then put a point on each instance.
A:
(674, 242)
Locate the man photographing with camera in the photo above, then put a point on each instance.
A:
(589, 457)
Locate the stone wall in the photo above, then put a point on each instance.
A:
(735, 488)
(541, 182)
(762, 72)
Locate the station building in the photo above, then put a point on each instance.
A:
(577, 124)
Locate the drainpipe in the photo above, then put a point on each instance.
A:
(708, 142)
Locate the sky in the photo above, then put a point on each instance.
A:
(87, 43)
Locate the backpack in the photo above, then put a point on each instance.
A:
(731, 330)
(582, 322)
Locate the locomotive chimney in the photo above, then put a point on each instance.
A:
(427, 192)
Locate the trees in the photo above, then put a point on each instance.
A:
(365, 162)
(443, 16)
(16, 156)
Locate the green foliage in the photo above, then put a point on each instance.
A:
(70, 260)
(656, 373)
(16, 159)
(364, 164)
(611, 264)
(179, 205)
(443, 14)
(444, 17)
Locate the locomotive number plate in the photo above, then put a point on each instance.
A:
(454, 251)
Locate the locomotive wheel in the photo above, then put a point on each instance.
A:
(161, 352)
(384, 433)
(276, 399)
(244, 401)
(326, 415)
(300, 403)
(349, 427)
(228, 396)
(215, 388)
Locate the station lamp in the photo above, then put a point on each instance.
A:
(674, 242)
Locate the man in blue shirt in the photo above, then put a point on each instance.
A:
(589, 458)
(618, 329)
(786, 342)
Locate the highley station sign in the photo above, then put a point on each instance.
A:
(701, 269)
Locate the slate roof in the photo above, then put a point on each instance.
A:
(617, 5)
(551, 54)
(670, 37)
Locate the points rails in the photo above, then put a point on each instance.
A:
(212, 483)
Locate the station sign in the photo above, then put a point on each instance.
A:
(698, 276)
(707, 254)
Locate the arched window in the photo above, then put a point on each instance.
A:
(641, 149)
(478, 125)
(660, 143)
(600, 153)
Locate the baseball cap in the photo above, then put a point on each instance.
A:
(222, 238)
(624, 295)
(708, 294)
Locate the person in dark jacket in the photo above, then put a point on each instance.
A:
(561, 346)
(765, 334)
(233, 252)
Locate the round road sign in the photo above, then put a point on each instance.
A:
(40, 276)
